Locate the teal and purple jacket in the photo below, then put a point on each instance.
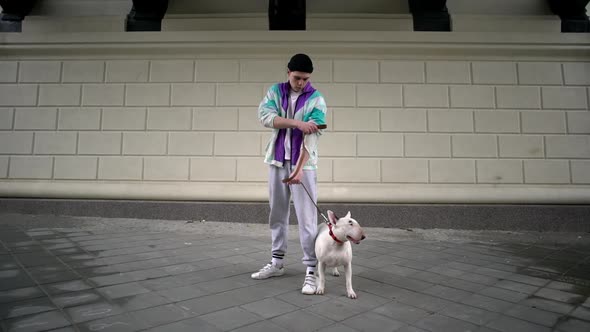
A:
(310, 106)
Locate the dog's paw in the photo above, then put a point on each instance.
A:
(335, 272)
(319, 291)
(351, 294)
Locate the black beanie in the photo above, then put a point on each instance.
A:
(300, 62)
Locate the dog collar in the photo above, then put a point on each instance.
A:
(334, 236)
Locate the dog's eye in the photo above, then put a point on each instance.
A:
(350, 223)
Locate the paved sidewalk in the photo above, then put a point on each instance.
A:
(93, 274)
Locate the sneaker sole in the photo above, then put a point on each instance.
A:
(271, 276)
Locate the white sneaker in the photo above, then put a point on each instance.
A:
(268, 271)
(309, 286)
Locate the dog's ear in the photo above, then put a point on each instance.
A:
(332, 217)
(348, 215)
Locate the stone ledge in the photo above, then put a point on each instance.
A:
(489, 45)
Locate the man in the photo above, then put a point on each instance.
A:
(294, 110)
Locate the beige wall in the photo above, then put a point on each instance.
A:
(413, 118)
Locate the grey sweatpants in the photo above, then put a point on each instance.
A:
(280, 195)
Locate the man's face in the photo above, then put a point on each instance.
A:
(298, 80)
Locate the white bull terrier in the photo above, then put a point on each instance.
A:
(333, 249)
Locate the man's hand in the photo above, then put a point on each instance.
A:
(307, 127)
(295, 177)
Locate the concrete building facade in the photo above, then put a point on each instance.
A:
(495, 111)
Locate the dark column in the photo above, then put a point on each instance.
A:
(430, 15)
(286, 14)
(146, 15)
(572, 13)
(13, 14)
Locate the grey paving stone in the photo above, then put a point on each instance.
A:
(20, 294)
(187, 325)
(557, 295)
(399, 270)
(410, 328)
(260, 326)
(487, 303)
(492, 272)
(64, 329)
(182, 293)
(92, 311)
(113, 279)
(161, 314)
(401, 312)
(225, 284)
(36, 259)
(533, 315)
(509, 324)
(72, 299)
(122, 290)
(336, 310)
(530, 280)
(147, 274)
(380, 276)
(37, 322)
(372, 322)
(141, 301)
(573, 325)
(210, 303)
(53, 277)
(581, 313)
(543, 274)
(378, 262)
(66, 287)
(411, 284)
(301, 321)
(562, 286)
(7, 263)
(270, 307)
(296, 298)
(27, 307)
(463, 285)
(238, 259)
(430, 277)
(179, 269)
(14, 278)
(505, 267)
(231, 318)
(442, 323)
(337, 328)
(162, 283)
(548, 305)
(366, 301)
(97, 271)
(272, 287)
(478, 278)
(448, 293)
(503, 294)
(517, 286)
(461, 266)
(257, 292)
(427, 302)
(418, 265)
(468, 313)
(82, 257)
(118, 323)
